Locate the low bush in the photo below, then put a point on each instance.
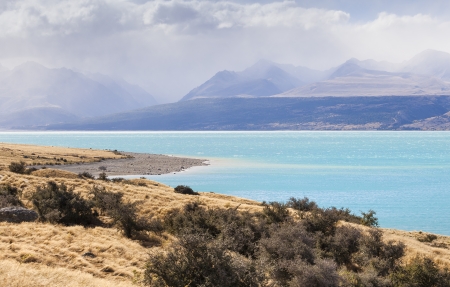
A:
(85, 175)
(103, 176)
(123, 213)
(21, 168)
(58, 204)
(17, 167)
(184, 189)
(224, 247)
(9, 196)
(197, 260)
(275, 212)
(420, 272)
(369, 219)
(302, 204)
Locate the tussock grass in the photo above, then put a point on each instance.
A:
(45, 155)
(15, 274)
(438, 250)
(64, 246)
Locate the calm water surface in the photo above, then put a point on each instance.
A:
(404, 176)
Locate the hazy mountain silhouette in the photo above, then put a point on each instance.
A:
(32, 93)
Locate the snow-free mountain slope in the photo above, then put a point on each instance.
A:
(264, 78)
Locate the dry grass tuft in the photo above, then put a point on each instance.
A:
(15, 274)
(49, 172)
(64, 246)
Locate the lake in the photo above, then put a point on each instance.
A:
(403, 176)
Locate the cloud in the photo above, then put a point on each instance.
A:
(171, 46)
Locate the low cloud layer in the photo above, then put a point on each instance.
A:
(169, 47)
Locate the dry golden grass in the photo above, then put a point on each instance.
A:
(437, 249)
(15, 274)
(63, 247)
(32, 154)
(156, 198)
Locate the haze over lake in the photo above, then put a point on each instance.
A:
(404, 176)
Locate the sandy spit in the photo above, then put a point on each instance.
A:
(136, 164)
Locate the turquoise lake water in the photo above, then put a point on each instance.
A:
(403, 176)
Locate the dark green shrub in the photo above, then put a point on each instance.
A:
(124, 214)
(17, 167)
(427, 237)
(369, 219)
(375, 254)
(197, 260)
(301, 204)
(9, 196)
(85, 175)
(420, 272)
(184, 189)
(276, 212)
(103, 176)
(238, 231)
(117, 179)
(58, 204)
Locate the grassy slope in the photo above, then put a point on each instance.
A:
(39, 254)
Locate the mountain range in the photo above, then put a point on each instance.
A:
(428, 73)
(357, 94)
(32, 94)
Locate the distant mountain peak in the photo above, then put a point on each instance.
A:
(29, 65)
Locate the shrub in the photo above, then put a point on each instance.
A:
(9, 196)
(321, 274)
(275, 212)
(284, 246)
(420, 272)
(427, 238)
(184, 189)
(302, 204)
(369, 219)
(343, 244)
(58, 204)
(103, 176)
(197, 260)
(85, 175)
(124, 214)
(17, 167)
(238, 231)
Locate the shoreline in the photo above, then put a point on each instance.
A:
(135, 164)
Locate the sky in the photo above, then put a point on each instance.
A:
(171, 46)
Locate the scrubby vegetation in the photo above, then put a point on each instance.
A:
(184, 189)
(287, 244)
(123, 213)
(9, 196)
(21, 168)
(58, 204)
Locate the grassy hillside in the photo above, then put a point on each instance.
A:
(48, 254)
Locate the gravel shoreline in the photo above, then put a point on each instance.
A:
(137, 164)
